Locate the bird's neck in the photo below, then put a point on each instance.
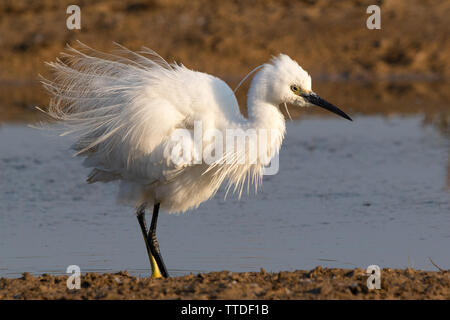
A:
(268, 122)
(263, 110)
(263, 115)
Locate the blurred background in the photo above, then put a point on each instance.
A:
(400, 68)
(393, 82)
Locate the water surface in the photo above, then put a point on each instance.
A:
(374, 191)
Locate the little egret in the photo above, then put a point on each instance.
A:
(125, 107)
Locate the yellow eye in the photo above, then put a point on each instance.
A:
(295, 89)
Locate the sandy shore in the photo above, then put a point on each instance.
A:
(320, 283)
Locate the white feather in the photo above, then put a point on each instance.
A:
(123, 108)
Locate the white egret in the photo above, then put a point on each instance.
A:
(124, 108)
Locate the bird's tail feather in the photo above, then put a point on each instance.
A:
(93, 92)
(102, 176)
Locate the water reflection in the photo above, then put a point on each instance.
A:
(430, 98)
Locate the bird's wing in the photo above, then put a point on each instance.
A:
(125, 107)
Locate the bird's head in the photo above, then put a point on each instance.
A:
(285, 81)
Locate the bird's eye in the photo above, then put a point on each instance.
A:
(295, 89)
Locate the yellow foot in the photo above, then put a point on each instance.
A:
(155, 270)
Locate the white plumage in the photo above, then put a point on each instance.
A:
(124, 107)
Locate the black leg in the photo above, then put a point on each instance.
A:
(153, 242)
(140, 213)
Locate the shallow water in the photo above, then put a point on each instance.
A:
(374, 191)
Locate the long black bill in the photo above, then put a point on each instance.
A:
(318, 101)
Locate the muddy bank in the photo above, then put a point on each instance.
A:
(319, 283)
(329, 38)
(229, 38)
